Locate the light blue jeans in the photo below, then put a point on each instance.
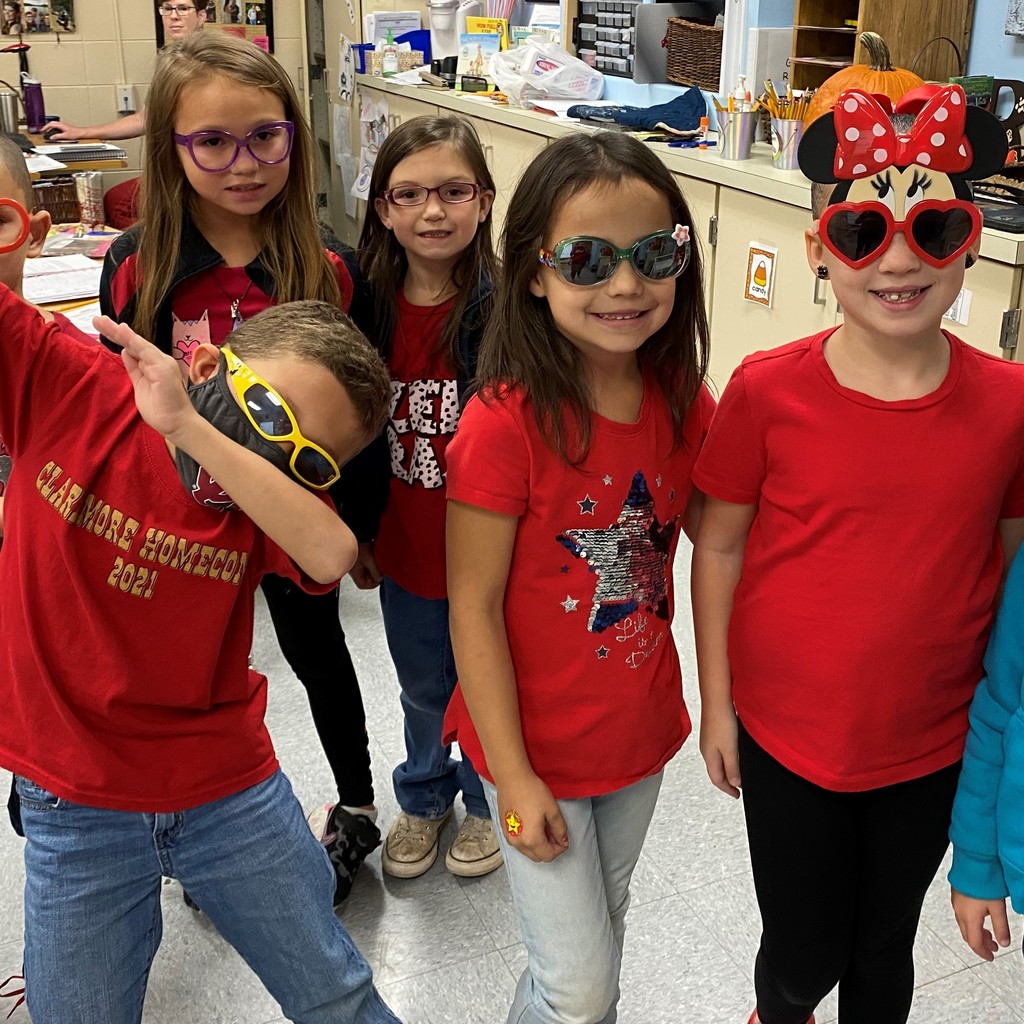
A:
(429, 779)
(572, 911)
(92, 905)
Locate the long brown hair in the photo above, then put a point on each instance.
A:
(523, 346)
(382, 259)
(290, 245)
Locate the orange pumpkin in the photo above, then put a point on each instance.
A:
(877, 77)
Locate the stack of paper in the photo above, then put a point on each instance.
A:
(61, 279)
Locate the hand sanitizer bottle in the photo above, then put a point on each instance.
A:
(389, 62)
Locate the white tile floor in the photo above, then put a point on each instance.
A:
(447, 951)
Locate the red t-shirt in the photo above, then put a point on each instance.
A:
(202, 304)
(871, 567)
(589, 601)
(409, 547)
(125, 606)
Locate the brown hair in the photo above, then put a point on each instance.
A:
(522, 345)
(320, 333)
(13, 162)
(381, 257)
(289, 237)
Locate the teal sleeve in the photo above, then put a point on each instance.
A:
(977, 870)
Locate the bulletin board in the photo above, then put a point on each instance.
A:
(37, 17)
(247, 19)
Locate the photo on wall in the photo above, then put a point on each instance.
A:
(37, 17)
(247, 19)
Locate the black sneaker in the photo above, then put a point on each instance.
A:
(348, 839)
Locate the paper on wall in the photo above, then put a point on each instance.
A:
(349, 167)
(346, 69)
(341, 133)
(373, 130)
(376, 25)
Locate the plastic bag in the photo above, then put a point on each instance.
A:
(541, 70)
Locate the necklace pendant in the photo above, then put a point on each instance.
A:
(236, 318)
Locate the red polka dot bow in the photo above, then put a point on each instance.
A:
(868, 143)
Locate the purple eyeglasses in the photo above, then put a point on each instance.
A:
(214, 151)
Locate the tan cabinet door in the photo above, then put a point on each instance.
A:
(508, 152)
(801, 305)
(702, 199)
(994, 287)
(400, 108)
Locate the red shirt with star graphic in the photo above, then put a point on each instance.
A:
(589, 600)
(409, 547)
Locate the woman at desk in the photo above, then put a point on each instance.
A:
(181, 18)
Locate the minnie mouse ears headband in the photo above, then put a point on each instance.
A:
(857, 138)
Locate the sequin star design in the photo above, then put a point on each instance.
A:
(569, 604)
(629, 559)
(587, 505)
(602, 652)
(607, 481)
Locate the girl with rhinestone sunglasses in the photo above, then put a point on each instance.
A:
(569, 483)
(427, 254)
(229, 227)
(865, 490)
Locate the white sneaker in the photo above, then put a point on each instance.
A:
(411, 846)
(475, 851)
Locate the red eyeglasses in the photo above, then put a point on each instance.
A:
(938, 231)
(14, 225)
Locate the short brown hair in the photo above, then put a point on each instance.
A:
(320, 333)
(13, 162)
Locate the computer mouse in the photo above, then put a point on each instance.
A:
(49, 133)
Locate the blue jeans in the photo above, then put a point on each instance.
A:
(429, 779)
(92, 905)
(572, 911)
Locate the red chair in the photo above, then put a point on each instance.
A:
(121, 204)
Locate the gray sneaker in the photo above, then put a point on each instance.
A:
(475, 851)
(411, 846)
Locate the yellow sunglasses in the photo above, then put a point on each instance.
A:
(269, 414)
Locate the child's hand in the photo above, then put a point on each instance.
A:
(543, 834)
(159, 390)
(970, 915)
(365, 573)
(718, 747)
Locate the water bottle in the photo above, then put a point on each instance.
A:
(35, 112)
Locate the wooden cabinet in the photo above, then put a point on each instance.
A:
(801, 303)
(404, 108)
(826, 35)
(702, 199)
(508, 152)
(995, 288)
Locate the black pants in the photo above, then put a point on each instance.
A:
(840, 880)
(313, 644)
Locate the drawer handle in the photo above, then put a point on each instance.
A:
(819, 300)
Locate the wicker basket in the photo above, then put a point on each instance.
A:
(694, 53)
(58, 197)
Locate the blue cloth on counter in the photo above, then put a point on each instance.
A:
(682, 114)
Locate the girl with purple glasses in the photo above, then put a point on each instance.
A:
(229, 227)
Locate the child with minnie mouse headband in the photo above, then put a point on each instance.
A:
(865, 486)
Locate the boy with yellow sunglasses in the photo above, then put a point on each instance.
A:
(131, 719)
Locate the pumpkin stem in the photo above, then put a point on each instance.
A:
(878, 51)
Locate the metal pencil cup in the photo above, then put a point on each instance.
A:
(8, 112)
(736, 133)
(786, 137)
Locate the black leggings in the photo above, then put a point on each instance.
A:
(313, 643)
(840, 880)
